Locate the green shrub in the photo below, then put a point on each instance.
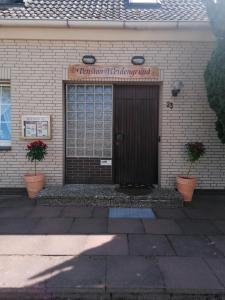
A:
(195, 151)
(215, 71)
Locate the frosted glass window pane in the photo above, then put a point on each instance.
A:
(71, 106)
(107, 144)
(71, 151)
(107, 89)
(98, 144)
(99, 89)
(98, 107)
(80, 107)
(107, 116)
(70, 134)
(99, 134)
(98, 153)
(80, 116)
(80, 134)
(90, 89)
(80, 125)
(108, 98)
(81, 97)
(90, 116)
(71, 89)
(71, 125)
(91, 134)
(108, 107)
(71, 98)
(90, 107)
(99, 125)
(71, 116)
(81, 88)
(80, 152)
(107, 125)
(80, 143)
(98, 98)
(89, 152)
(90, 143)
(71, 143)
(107, 153)
(90, 98)
(107, 134)
(90, 125)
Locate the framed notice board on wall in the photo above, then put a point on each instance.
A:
(36, 127)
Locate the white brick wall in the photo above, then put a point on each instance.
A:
(37, 88)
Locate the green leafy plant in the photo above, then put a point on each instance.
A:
(36, 151)
(215, 71)
(195, 151)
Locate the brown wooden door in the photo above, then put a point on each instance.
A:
(136, 134)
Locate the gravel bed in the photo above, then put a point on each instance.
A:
(106, 196)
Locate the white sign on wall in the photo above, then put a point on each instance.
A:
(106, 162)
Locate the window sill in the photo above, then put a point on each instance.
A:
(5, 148)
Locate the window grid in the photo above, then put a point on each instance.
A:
(90, 105)
(5, 115)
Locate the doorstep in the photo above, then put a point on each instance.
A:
(106, 195)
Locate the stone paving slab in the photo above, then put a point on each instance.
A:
(42, 245)
(14, 212)
(218, 267)
(220, 225)
(219, 242)
(17, 225)
(107, 245)
(100, 212)
(45, 212)
(133, 273)
(14, 201)
(194, 246)
(161, 226)
(76, 273)
(149, 245)
(170, 213)
(211, 213)
(77, 212)
(188, 274)
(198, 227)
(89, 225)
(63, 245)
(53, 273)
(125, 226)
(52, 226)
(19, 271)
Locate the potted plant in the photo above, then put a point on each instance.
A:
(36, 151)
(186, 184)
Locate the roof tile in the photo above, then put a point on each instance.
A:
(170, 10)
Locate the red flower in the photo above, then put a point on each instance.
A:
(36, 144)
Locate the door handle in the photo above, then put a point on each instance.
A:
(119, 138)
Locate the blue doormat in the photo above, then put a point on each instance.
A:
(132, 213)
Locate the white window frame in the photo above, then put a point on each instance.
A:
(4, 143)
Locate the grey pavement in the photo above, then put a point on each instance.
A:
(80, 253)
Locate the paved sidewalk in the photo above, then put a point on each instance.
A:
(80, 253)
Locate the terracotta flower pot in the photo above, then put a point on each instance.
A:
(186, 187)
(34, 184)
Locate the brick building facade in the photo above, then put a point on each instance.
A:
(34, 61)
